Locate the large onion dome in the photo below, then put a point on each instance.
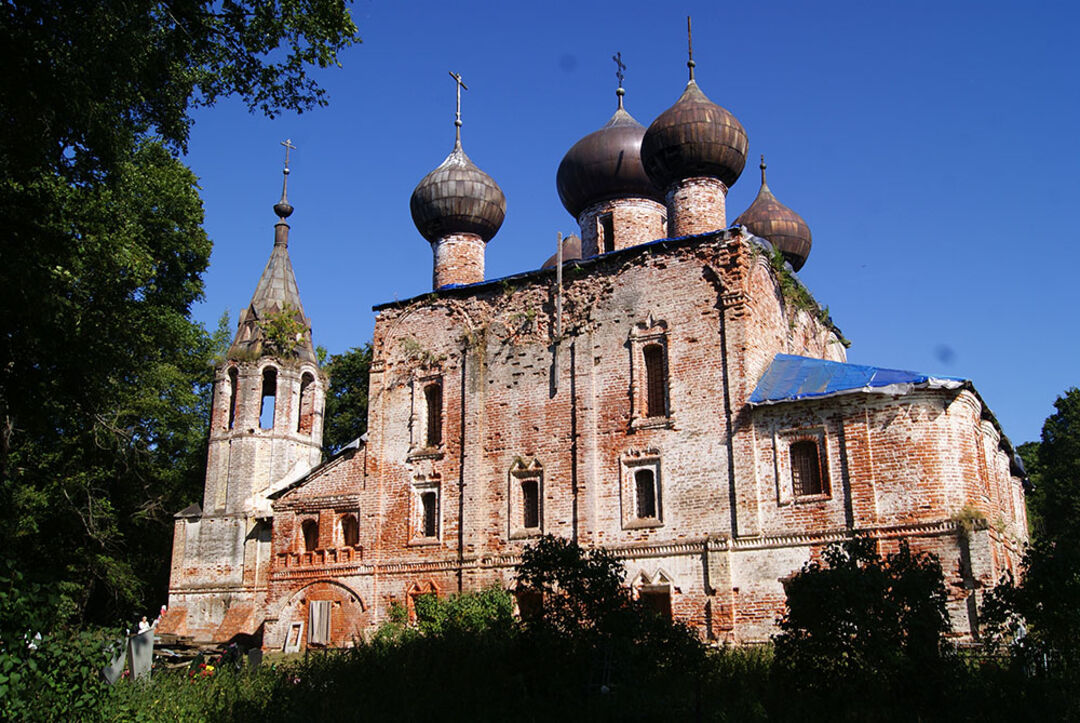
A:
(457, 197)
(695, 137)
(606, 164)
(775, 222)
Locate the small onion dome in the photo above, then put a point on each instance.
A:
(778, 224)
(606, 164)
(571, 251)
(283, 208)
(695, 137)
(457, 197)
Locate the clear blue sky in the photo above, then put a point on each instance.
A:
(932, 147)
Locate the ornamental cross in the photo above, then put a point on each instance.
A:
(620, 67)
(457, 115)
(288, 146)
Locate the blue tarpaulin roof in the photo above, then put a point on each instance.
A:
(790, 377)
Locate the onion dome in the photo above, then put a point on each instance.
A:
(571, 251)
(778, 224)
(606, 164)
(457, 197)
(695, 137)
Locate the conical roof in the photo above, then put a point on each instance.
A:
(457, 197)
(695, 137)
(276, 299)
(779, 225)
(606, 164)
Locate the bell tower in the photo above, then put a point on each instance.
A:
(266, 426)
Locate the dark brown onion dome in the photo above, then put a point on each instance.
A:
(693, 138)
(778, 224)
(571, 251)
(606, 164)
(457, 197)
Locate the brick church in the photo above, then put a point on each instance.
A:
(663, 387)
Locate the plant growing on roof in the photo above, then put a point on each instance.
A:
(283, 330)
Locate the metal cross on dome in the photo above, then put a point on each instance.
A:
(288, 146)
(457, 114)
(620, 67)
(690, 48)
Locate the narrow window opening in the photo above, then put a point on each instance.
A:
(806, 469)
(607, 233)
(350, 531)
(530, 503)
(433, 398)
(655, 382)
(307, 404)
(645, 482)
(269, 398)
(429, 508)
(233, 385)
(310, 529)
(656, 598)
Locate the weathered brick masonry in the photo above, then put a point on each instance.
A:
(634, 406)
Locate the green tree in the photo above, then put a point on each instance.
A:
(862, 626)
(103, 376)
(346, 397)
(1049, 588)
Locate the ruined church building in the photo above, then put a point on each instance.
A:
(669, 392)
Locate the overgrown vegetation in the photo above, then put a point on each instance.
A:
(283, 331)
(346, 397)
(104, 377)
(798, 297)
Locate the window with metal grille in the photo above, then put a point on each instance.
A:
(530, 503)
(433, 397)
(645, 482)
(655, 381)
(806, 469)
(310, 528)
(429, 507)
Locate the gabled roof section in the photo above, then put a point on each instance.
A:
(790, 378)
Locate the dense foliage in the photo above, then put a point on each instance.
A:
(346, 397)
(860, 626)
(1040, 616)
(103, 376)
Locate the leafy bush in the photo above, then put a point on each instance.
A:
(860, 627)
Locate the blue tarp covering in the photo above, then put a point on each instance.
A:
(798, 377)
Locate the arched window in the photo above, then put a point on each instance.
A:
(307, 404)
(806, 469)
(645, 492)
(269, 398)
(310, 528)
(350, 531)
(433, 399)
(233, 386)
(655, 381)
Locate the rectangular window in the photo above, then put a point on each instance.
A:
(530, 503)
(655, 381)
(429, 507)
(656, 598)
(607, 233)
(645, 483)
